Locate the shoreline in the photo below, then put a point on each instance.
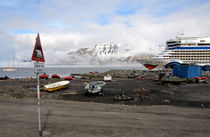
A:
(190, 95)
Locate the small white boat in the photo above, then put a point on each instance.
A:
(95, 87)
(108, 78)
(9, 69)
(56, 86)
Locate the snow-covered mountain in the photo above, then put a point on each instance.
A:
(109, 53)
(98, 50)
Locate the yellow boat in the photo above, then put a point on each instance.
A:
(56, 86)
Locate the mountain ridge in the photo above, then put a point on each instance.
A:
(106, 53)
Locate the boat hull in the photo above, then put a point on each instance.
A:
(56, 86)
(94, 87)
(153, 63)
(9, 69)
(107, 78)
(150, 66)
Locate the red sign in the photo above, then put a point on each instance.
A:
(37, 54)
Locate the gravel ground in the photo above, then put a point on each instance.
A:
(192, 95)
(18, 118)
(168, 111)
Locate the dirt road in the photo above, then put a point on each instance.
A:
(18, 118)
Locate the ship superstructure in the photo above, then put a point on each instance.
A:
(190, 50)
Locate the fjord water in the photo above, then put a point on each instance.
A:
(62, 71)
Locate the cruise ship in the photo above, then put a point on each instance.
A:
(187, 50)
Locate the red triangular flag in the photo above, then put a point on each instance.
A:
(37, 54)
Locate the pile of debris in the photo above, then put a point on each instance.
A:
(137, 94)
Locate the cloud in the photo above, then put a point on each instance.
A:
(64, 26)
(7, 46)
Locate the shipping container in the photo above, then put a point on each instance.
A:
(187, 71)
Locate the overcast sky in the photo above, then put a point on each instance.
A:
(67, 25)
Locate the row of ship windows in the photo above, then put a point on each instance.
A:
(203, 51)
(197, 62)
(188, 45)
(181, 54)
(203, 59)
(188, 56)
(206, 44)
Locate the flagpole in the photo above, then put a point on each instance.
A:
(38, 104)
